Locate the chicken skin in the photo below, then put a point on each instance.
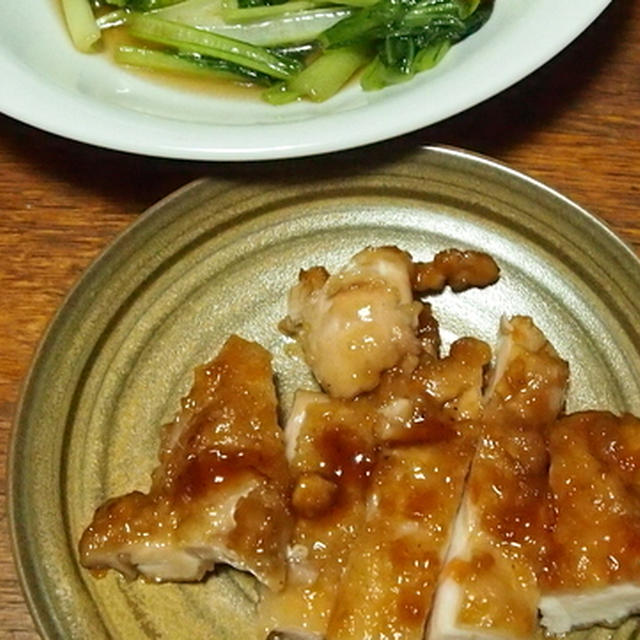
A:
(593, 573)
(220, 492)
(331, 449)
(489, 585)
(363, 320)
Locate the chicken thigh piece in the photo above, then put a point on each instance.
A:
(330, 444)
(426, 437)
(593, 569)
(363, 320)
(220, 492)
(393, 567)
(357, 323)
(489, 586)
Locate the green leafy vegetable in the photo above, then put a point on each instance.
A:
(187, 64)
(408, 36)
(188, 39)
(323, 78)
(251, 40)
(301, 27)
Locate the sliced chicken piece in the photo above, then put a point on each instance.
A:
(221, 491)
(427, 444)
(528, 384)
(331, 447)
(395, 561)
(359, 322)
(448, 389)
(593, 570)
(489, 586)
(363, 320)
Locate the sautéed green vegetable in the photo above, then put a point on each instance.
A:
(296, 49)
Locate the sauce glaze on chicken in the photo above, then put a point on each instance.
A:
(419, 494)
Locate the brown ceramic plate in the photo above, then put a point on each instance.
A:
(217, 257)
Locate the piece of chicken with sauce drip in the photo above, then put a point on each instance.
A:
(220, 493)
(426, 439)
(362, 320)
(489, 586)
(331, 451)
(593, 570)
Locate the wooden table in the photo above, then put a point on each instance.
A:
(575, 124)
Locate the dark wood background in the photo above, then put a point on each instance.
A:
(574, 124)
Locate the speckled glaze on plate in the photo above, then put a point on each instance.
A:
(218, 257)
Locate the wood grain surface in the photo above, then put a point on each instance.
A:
(574, 124)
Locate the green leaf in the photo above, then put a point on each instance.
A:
(189, 39)
(429, 57)
(323, 78)
(186, 64)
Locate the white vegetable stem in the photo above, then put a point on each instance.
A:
(81, 24)
(298, 27)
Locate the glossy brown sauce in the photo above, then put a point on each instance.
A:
(222, 477)
(460, 270)
(313, 495)
(332, 470)
(498, 597)
(510, 487)
(428, 331)
(507, 500)
(594, 477)
(210, 468)
(337, 476)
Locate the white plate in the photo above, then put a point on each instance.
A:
(46, 83)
